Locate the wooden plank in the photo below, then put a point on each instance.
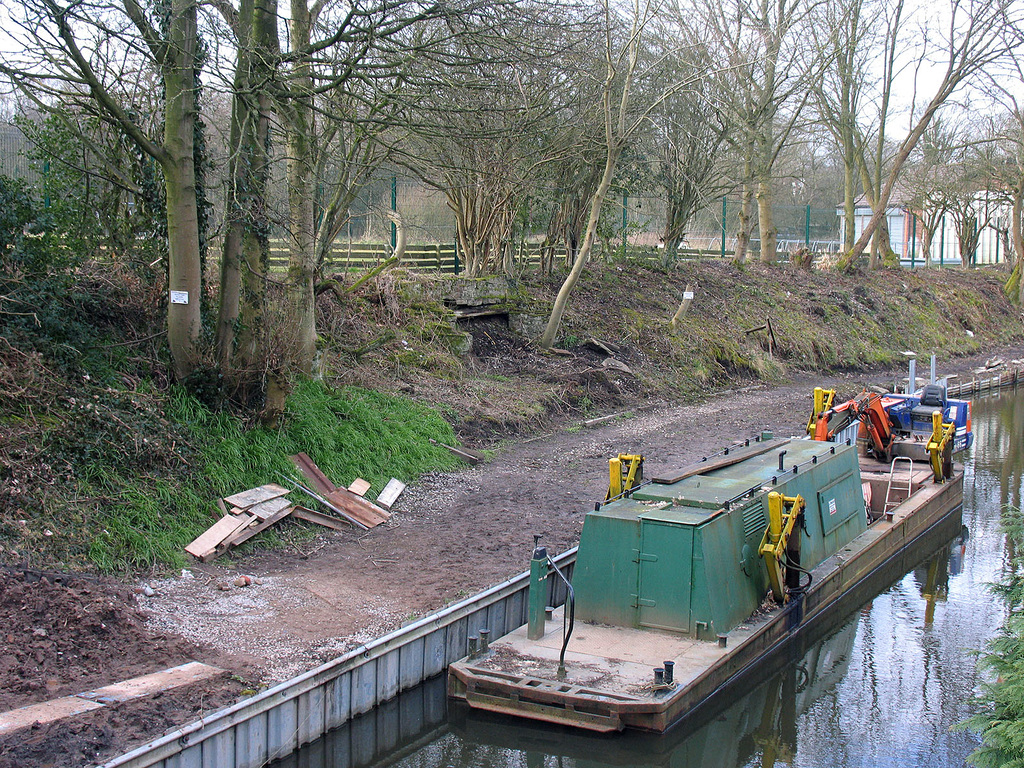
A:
(266, 509)
(254, 496)
(356, 502)
(247, 521)
(244, 534)
(390, 494)
(320, 518)
(331, 506)
(601, 420)
(480, 312)
(206, 543)
(367, 513)
(359, 487)
(735, 456)
(464, 454)
(312, 472)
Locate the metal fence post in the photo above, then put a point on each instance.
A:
(456, 253)
(807, 228)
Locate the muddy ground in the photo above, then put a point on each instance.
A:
(452, 534)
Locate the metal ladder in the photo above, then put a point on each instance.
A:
(889, 503)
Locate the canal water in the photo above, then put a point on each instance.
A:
(886, 689)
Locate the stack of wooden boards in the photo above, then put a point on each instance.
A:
(346, 502)
(246, 514)
(253, 511)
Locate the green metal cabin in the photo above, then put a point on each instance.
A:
(684, 556)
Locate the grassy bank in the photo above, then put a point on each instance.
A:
(131, 490)
(105, 466)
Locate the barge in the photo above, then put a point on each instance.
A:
(685, 584)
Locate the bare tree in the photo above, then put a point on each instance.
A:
(246, 248)
(688, 134)
(979, 34)
(627, 72)
(764, 80)
(392, 51)
(845, 44)
(98, 49)
(871, 142)
(1008, 172)
(931, 179)
(487, 136)
(479, 138)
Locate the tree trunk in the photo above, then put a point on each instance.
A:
(675, 228)
(301, 192)
(596, 204)
(184, 259)
(230, 274)
(246, 250)
(927, 235)
(766, 223)
(849, 201)
(968, 236)
(253, 340)
(302, 256)
(881, 244)
(743, 235)
(907, 146)
(1016, 221)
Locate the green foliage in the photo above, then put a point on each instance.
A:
(52, 302)
(88, 209)
(348, 432)
(26, 243)
(150, 480)
(71, 199)
(1000, 702)
(37, 292)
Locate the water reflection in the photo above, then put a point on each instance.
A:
(882, 691)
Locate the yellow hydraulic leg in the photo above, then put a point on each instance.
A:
(781, 522)
(624, 472)
(823, 399)
(942, 435)
(614, 478)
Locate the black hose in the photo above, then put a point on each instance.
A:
(568, 617)
(802, 588)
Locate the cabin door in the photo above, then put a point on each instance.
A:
(666, 562)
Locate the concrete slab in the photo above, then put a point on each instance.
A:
(44, 713)
(164, 680)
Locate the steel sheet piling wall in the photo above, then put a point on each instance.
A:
(274, 723)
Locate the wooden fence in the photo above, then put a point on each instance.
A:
(976, 386)
(444, 257)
